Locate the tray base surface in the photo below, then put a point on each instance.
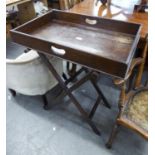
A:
(97, 41)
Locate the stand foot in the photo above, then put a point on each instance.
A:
(108, 146)
(112, 136)
(46, 107)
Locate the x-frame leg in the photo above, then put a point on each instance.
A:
(69, 93)
(89, 76)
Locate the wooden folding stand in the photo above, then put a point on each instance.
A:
(100, 44)
(89, 76)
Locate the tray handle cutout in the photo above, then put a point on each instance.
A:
(91, 21)
(58, 51)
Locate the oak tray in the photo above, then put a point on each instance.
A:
(102, 44)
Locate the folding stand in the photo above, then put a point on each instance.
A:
(89, 76)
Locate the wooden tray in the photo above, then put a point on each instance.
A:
(102, 44)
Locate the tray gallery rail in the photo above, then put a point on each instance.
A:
(102, 44)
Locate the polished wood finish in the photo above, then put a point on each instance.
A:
(125, 97)
(111, 48)
(118, 10)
